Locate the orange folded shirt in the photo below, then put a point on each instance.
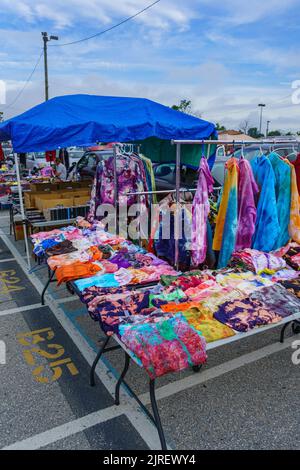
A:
(76, 270)
(173, 307)
(96, 253)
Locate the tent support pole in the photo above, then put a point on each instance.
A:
(22, 209)
(116, 192)
(177, 211)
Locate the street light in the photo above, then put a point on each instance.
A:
(261, 106)
(45, 40)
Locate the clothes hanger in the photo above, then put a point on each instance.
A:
(203, 150)
(242, 151)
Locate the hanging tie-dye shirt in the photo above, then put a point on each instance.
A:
(282, 173)
(200, 211)
(227, 220)
(248, 192)
(294, 225)
(267, 227)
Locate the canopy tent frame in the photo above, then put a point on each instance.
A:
(22, 210)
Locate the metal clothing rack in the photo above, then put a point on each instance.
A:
(234, 143)
(177, 189)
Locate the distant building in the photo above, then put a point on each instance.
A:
(233, 135)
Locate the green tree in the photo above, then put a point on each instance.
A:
(220, 128)
(274, 134)
(185, 106)
(254, 132)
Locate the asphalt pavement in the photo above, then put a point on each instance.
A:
(246, 397)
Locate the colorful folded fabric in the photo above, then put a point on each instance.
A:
(202, 320)
(278, 299)
(258, 261)
(76, 270)
(165, 346)
(245, 314)
(292, 286)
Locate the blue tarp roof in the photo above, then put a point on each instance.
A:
(76, 120)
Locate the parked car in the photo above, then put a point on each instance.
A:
(75, 154)
(34, 160)
(86, 166)
(165, 176)
(289, 151)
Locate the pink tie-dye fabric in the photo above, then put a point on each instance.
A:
(247, 192)
(200, 211)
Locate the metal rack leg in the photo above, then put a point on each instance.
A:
(283, 331)
(97, 359)
(156, 415)
(296, 327)
(121, 378)
(46, 287)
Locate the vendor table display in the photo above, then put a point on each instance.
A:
(171, 325)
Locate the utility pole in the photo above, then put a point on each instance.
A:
(261, 106)
(267, 131)
(46, 39)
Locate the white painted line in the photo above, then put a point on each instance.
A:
(7, 259)
(65, 430)
(209, 374)
(26, 308)
(147, 430)
(65, 300)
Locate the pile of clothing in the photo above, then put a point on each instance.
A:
(167, 326)
(91, 257)
(207, 306)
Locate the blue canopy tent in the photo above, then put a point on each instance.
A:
(80, 120)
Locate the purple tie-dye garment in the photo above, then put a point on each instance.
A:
(248, 190)
(200, 213)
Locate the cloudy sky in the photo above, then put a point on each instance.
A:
(226, 56)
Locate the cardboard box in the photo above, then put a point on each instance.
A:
(29, 197)
(81, 200)
(58, 202)
(40, 199)
(19, 231)
(43, 186)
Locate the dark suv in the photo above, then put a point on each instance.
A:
(165, 176)
(85, 168)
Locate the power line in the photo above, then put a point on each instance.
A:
(108, 29)
(25, 84)
(76, 42)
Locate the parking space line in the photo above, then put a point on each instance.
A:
(66, 430)
(66, 299)
(20, 309)
(209, 374)
(146, 429)
(7, 260)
